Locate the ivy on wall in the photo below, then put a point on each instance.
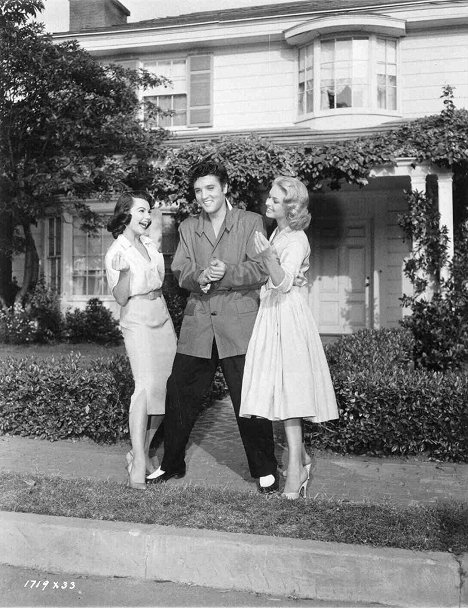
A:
(253, 162)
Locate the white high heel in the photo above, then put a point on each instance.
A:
(306, 466)
(302, 490)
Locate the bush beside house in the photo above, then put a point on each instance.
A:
(389, 408)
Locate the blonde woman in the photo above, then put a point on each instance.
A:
(286, 374)
(135, 273)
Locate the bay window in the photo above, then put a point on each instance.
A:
(347, 72)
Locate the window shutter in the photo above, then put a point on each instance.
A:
(200, 91)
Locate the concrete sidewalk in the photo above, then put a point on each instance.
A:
(215, 457)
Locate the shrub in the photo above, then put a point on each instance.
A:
(44, 307)
(69, 398)
(93, 324)
(62, 399)
(388, 408)
(376, 349)
(17, 325)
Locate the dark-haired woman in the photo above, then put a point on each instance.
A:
(286, 375)
(135, 272)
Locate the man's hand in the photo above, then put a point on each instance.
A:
(216, 270)
(120, 263)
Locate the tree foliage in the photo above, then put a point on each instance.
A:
(70, 126)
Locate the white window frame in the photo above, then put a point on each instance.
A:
(55, 257)
(372, 107)
(182, 87)
(85, 273)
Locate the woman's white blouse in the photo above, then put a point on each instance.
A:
(293, 250)
(145, 275)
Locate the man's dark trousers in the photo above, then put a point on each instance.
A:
(191, 378)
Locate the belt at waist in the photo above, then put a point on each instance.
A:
(151, 295)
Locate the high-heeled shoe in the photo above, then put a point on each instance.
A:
(302, 490)
(306, 466)
(135, 485)
(129, 459)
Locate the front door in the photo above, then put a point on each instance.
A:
(340, 274)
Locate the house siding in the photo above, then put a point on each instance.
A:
(428, 62)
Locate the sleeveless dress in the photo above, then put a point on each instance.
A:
(146, 325)
(286, 373)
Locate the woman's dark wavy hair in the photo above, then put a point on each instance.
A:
(121, 218)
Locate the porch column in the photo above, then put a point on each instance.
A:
(445, 192)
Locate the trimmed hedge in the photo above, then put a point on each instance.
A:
(389, 408)
(69, 398)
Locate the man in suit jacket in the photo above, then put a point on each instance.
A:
(216, 262)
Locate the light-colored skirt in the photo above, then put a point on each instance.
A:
(150, 342)
(286, 373)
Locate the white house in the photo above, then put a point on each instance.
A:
(297, 73)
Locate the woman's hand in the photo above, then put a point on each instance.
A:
(120, 263)
(261, 243)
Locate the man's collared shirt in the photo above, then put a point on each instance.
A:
(227, 312)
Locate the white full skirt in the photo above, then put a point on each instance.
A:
(286, 373)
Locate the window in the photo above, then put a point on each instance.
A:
(347, 72)
(344, 73)
(188, 99)
(89, 275)
(54, 252)
(386, 74)
(306, 80)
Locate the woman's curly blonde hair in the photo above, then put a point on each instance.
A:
(296, 202)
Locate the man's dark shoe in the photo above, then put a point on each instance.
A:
(274, 487)
(166, 476)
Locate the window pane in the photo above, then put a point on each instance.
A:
(94, 245)
(343, 49)
(326, 74)
(165, 102)
(300, 100)
(343, 96)
(327, 99)
(360, 97)
(360, 49)
(360, 71)
(178, 69)
(79, 244)
(381, 54)
(391, 51)
(327, 51)
(381, 100)
(199, 63)
(343, 70)
(301, 60)
(310, 101)
(392, 99)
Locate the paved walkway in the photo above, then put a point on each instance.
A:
(215, 457)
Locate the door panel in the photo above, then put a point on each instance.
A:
(339, 275)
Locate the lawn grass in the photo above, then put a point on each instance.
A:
(441, 527)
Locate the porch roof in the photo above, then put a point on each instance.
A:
(288, 136)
